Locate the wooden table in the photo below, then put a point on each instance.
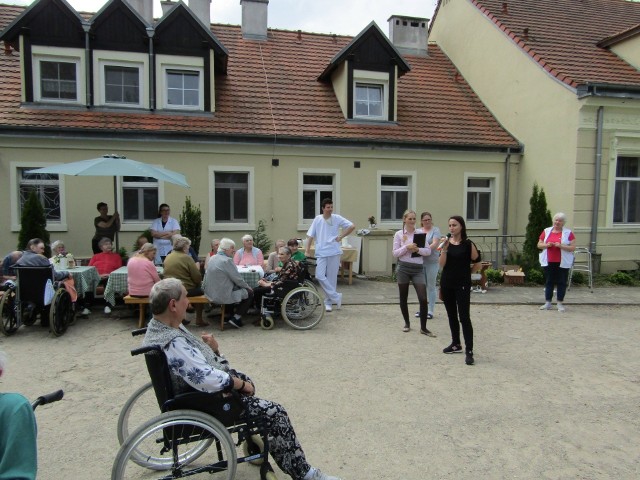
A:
(349, 255)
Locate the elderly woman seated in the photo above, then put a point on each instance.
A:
(179, 264)
(105, 262)
(57, 248)
(215, 243)
(248, 255)
(291, 272)
(273, 262)
(141, 272)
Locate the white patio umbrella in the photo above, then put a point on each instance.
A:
(115, 166)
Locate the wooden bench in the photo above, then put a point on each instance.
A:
(198, 303)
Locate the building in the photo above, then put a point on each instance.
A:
(264, 123)
(563, 77)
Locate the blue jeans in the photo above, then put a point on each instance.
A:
(431, 275)
(555, 276)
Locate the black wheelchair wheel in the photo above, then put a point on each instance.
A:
(9, 323)
(60, 312)
(302, 308)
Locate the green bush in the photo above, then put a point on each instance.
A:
(123, 254)
(494, 276)
(535, 276)
(578, 278)
(191, 223)
(260, 238)
(621, 278)
(33, 223)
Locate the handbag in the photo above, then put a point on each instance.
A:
(49, 292)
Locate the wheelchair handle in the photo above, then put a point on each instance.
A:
(49, 398)
(139, 331)
(149, 348)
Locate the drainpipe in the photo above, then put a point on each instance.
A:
(505, 213)
(86, 26)
(596, 187)
(152, 71)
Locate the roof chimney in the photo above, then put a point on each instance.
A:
(166, 6)
(202, 10)
(144, 9)
(254, 19)
(409, 34)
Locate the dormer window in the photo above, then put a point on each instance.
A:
(183, 88)
(121, 85)
(369, 100)
(58, 75)
(58, 80)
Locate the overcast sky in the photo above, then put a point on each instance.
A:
(347, 17)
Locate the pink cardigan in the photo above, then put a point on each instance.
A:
(141, 276)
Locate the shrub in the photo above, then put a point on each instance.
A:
(33, 224)
(494, 276)
(191, 223)
(123, 254)
(621, 278)
(578, 278)
(535, 276)
(260, 238)
(539, 219)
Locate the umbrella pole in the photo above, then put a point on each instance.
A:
(115, 206)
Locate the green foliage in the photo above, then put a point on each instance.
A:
(33, 224)
(147, 234)
(123, 254)
(191, 223)
(260, 238)
(539, 219)
(621, 278)
(494, 276)
(535, 276)
(578, 278)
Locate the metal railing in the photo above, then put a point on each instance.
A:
(497, 248)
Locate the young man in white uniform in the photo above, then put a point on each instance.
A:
(325, 230)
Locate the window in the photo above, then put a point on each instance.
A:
(315, 188)
(47, 188)
(231, 197)
(140, 199)
(58, 80)
(480, 192)
(394, 197)
(369, 101)
(183, 88)
(121, 85)
(626, 204)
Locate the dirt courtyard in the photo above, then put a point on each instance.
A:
(552, 396)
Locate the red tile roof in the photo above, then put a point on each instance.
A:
(563, 36)
(272, 87)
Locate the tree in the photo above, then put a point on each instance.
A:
(191, 223)
(33, 224)
(260, 239)
(539, 219)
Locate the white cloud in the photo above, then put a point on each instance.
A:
(347, 17)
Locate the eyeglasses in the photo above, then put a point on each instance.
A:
(426, 219)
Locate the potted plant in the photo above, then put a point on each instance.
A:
(372, 221)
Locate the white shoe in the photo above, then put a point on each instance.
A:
(546, 306)
(86, 311)
(560, 307)
(339, 303)
(327, 308)
(318, 475)
(107, 310)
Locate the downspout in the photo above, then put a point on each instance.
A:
(505, 213)
(596, 187)
(86, 26)
(152, 71)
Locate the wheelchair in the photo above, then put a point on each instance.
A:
(299, 304)
(193, 435)
(24, 299)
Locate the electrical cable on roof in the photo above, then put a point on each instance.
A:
(273, 120)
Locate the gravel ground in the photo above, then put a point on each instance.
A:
(552, 396)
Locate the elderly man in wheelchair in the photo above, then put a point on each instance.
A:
(37, 290)
(196, 365)
(290, 294)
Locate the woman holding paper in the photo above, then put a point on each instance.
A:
(409, 248)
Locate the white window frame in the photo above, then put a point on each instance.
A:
(412, 175)
(61, 55)
(217, 226)
(368, 78)
(14, 191)
(136, 226)
(492, 223)
(166, 63)
(615, 182)
(104, 59)
(304, 224)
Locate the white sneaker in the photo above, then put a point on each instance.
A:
(546, 306)
(107, 310)
(327, 308)
(560, 307)
(318, 475)
(86, 311)
(339, 303)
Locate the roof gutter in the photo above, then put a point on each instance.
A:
(608, 90)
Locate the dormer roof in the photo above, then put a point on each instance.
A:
(118, 26)
(365, 48)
